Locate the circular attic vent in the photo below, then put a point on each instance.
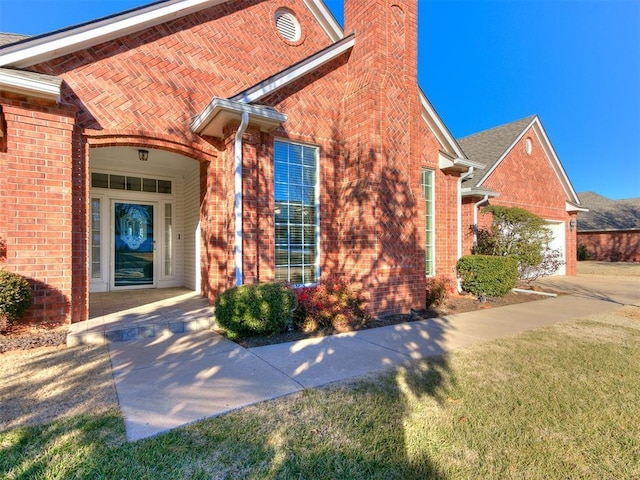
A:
(287, 25)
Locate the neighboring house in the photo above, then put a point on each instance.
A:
(210, 143)
(610, 230)
(521, 169)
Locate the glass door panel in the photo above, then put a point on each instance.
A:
(133, 245)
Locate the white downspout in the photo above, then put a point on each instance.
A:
(475, 219)
(244, 122)
(460, 179)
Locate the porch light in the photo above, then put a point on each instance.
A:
(572, 224)
(143, 155)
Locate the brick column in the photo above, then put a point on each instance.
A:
(38, 206)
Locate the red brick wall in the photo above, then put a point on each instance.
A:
(362, 110)
(143, 89)
(380, 236)
(612, 246)
(529, 182)
(38, 200)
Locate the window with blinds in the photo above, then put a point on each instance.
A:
(297, 213)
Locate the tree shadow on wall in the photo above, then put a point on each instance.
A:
(623, 246)
(50, 305)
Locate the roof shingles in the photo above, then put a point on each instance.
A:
(488, 147)
(607, 214)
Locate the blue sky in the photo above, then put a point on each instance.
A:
(482, 63)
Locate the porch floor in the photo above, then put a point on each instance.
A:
(135, 314)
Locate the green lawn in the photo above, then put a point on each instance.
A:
(561, 402)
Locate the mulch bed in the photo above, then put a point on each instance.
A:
(25, 337)
(21, 337)
(456, 304)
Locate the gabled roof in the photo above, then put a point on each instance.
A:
(606, 214)
(33, 50)
(295, 71)
(490, 147)
(440, 130)
(21, 52)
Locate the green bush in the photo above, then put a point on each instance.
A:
(15, 296)
(487, 274)
(583, 253)
(260, 309)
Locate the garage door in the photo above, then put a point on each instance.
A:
(558, 242)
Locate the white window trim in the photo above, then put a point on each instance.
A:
(316, 205)
(433, 217)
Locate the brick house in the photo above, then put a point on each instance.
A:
(520, 169)
(610, 230)
(210, 143)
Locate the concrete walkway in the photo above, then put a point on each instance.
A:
(169, 381)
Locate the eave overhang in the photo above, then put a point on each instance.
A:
(478, 192)
(456, 165)
(31, 84)
(295, 72)
(221, 111)
(438, 128)
(52, 45)
(572, 207)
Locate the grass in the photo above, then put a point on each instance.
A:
(559, 402)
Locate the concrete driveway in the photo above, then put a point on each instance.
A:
(621, 290)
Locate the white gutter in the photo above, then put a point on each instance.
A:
(29, 84)
(459, 194)
(244, 122)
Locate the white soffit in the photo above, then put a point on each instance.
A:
(49, 46)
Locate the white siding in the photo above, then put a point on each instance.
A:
(191, 240)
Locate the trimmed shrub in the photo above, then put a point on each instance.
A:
(330, 305)
(488, 275)
(583, 253)
(260, 309)
(15, 296)
(438, 290)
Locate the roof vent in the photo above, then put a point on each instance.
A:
(287, 25)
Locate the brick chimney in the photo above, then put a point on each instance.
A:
(381, 113)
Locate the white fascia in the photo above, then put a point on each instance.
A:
(326, 19)
(439, 129)
(49, 46)
(292, 74)
(220, 111)
(572, 207)
(459, 165)
(14, 82)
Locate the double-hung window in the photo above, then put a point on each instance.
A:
(297, 213)
(427, 190)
